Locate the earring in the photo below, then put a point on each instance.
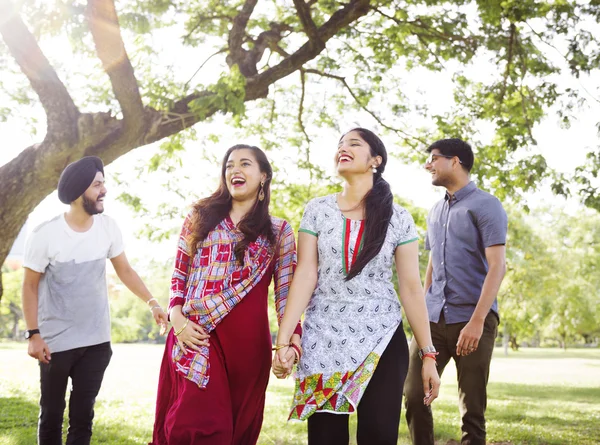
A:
(374, 169)
(261, 194)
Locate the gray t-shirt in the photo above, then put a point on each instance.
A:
(73, 306)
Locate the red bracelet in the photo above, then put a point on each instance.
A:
(298, 350)
(430, 355)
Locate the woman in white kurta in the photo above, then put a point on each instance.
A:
(347, 246)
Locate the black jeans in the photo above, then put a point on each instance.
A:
(86, 368)
(472, 373)
(379, 408)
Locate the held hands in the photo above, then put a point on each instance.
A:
(431, 380)
(38, 349)
(468, 340)
(283, 362)
(285, 357)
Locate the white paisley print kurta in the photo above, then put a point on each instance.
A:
(347, 324)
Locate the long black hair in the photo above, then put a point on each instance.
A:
(379, 206)
(209, 212)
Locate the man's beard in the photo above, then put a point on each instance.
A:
(90, 206)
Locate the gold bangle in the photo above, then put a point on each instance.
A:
(187, 320)
(278, 347)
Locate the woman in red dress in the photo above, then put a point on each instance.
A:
(217, 358)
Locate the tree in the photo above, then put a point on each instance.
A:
(352, 52)
(550, 291)
(529, 277)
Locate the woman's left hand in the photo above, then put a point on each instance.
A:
(431, 380)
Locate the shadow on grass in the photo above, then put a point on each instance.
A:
(527, 414)
(18, 425)
(18, 422)
(549, 414)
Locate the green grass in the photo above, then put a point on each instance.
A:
(536, 396)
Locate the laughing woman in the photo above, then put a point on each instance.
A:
(217, 358)
(355, 351)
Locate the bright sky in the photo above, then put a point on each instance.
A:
(564, 149)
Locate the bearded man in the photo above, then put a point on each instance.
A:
(65, 301)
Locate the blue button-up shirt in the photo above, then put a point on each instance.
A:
(459, 229)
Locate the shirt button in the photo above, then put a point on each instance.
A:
(442, 263)
(444, 225)
(442, 244)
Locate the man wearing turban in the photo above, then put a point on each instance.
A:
(65, 301)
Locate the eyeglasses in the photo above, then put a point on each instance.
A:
(432, 157)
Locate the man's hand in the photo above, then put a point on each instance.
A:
(161, 319)
(38, 349)
(468, 340)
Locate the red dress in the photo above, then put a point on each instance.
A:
(216, 396)
(230, 409)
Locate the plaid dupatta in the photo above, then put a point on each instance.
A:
(215, 283)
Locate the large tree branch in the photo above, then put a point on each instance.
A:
(247, 60)
(58, 104)
(338, 20)
(306, 19)
(237, 54)
(104, 26)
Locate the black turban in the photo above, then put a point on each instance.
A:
(77, 177)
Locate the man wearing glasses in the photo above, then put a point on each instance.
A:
(466, 235)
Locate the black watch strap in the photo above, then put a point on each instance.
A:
(31, 332)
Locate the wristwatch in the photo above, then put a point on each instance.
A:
(426, 350)
(30, 333)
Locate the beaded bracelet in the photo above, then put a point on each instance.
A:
(187, 320)
(150, 300)
(431, 355)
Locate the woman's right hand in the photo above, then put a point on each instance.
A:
(431, 380)
(192, 336)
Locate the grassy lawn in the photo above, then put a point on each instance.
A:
(536, 396)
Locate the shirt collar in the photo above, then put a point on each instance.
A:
(462, 193)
